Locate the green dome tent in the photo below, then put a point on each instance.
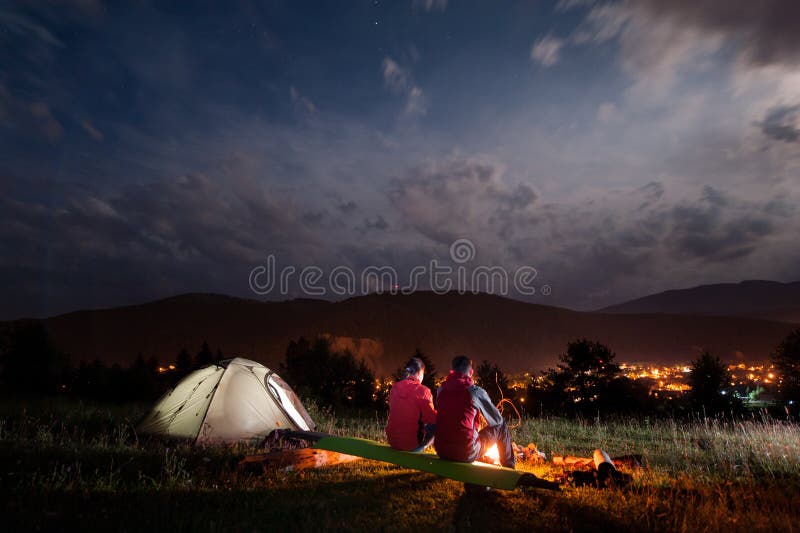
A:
(235, 400)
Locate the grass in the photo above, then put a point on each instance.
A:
(66, 465)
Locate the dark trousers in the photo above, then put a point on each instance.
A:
(500, 435)
(425, 436)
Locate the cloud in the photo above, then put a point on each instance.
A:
(169, 235)
(347, 208)
(431, 5)
(447, 198)
(605, 206)
(20, 24)
(547, 50)
(301, 103)
(664, 46)
(650, 194)
(396, 78)
(654, 50)
(779, 206)
(400, 81)
(659, 41)
(45, 122)
(32, 117)
(415, 102)
(717, 227)
(199, 220)
(566, 5)
(96, 134)
(203, 231)
(81, 11)
(765, 31)
(782, 123)
(379, 224)
(607, 112)
(623, 243)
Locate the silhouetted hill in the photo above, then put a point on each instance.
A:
(385, 329)
(759, 299)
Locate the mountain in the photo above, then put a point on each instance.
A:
(385, 330)
(770, 300)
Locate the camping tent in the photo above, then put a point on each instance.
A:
(235, 400)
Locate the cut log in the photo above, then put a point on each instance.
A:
(300, 459)
(600, 457)
(572, 461)
(630, 461)
(605, 468)
(625, 461)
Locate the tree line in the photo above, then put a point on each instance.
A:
(587, 381)
(32, 365)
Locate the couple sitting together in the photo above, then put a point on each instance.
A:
(453, 426)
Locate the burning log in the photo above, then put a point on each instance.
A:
(298, 459)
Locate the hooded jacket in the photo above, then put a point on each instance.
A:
(460, 402)
(410, 409)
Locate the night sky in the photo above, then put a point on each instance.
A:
(620, 148)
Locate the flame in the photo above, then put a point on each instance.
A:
(493, 453)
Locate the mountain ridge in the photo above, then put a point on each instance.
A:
(765, 299)
(385, 329)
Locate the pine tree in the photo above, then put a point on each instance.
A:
(583, 379)
(787, 362)
(708, 377)
(493, 380)
(204, 356)
(184, 361)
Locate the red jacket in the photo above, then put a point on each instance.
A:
(457, 426)
(410, 408)
(460, 403)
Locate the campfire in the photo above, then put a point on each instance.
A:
(527, 454)
(493, 454)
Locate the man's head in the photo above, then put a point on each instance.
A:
(414, 368)
(462, 363)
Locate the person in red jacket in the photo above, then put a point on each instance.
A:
(461, 403)
(412, 418)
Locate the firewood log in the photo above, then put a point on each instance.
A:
(299, 459)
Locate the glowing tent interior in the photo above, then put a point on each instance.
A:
(231, 401)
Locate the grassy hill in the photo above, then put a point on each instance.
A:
(79, 467)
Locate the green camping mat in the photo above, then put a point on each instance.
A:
(475, 473)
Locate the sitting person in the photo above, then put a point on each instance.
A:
(412, 418)
(460, 402)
